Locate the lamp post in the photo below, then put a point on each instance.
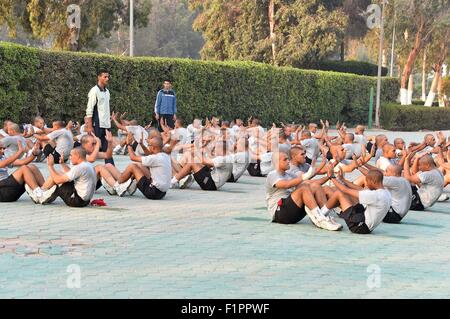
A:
(380, 54)
(131, 27)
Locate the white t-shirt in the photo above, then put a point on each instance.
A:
(349, 150)
(221, 172)
(181, 135)
(160, 170)
(311, 146)
(431, 187)
(240, 164)
(64, 141)
(401, 193)
(193, 132)
(383, 163)
(266, 163)
(85, 179)
(297, 170)
(136, 131)
(3, 170)
(274, 194)
(360, 139)
(3, 133)
(10, 144)
(377, 204)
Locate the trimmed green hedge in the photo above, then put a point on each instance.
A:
(56, 84)
(413, 118)
(356, 67)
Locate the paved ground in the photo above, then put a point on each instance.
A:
(197, 244)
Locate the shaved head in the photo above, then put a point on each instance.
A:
(394, 170)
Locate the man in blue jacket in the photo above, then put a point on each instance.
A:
(166, 105)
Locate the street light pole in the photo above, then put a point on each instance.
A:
(380, 54)
(131, 27)
(391, 72)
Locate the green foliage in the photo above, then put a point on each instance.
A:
(413, 117)
(356, 67)
(46, 19)
(305, 30)
(56, 84)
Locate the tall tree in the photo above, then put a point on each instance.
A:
(48, 19)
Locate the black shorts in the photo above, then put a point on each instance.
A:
(69, 195)
(254, 169)
(149, 190)
(416, 203)
(355, 219)
(10, 189)
(288, 212)
(392, 217)
(231, 179)
(48, 149)
(204, 179)
(308, 160)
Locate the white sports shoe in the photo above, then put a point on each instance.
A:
(328, 224)
(34, 194)
(48, 196)
(132, 188)
(122, 188)
(174, 185)
(312, 216)
(186, 182)
(109, 188)
(443, 198)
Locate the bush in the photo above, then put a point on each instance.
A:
(56, 84)
(413, 118)
(356, 67)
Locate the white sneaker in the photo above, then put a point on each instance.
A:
(312, 216)
(186, 182)
(34, 194)
(132, 188)
(334, 224)
(121, 189)
(174, 185)
(49, 196)
(443, 198)
(111, 191)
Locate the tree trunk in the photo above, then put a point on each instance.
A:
(418, 43)
(424, 76)
(343, 50)
(272, 29)
(440, 91)
(434, 84)
(410, 88)
(438, 71)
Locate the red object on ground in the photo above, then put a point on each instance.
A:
(98, 202)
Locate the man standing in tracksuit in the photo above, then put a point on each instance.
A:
(98, 114)
(166, 105)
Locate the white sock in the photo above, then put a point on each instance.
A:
(174, 180)
(116, 184)
(325, 210)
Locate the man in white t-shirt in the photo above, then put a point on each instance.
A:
(427, 180)
(11, 141)
(75, 185)
(387, 158)
(362, 210)
(289, 200)
(154, 180)
(310, 145)
(209, 173)
(59, 142)
(241, 160)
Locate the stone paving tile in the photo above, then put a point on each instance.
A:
(195, 244)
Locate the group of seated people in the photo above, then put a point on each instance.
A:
(305, 166)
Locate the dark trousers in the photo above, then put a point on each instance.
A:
(167, 119)
(101, 134)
